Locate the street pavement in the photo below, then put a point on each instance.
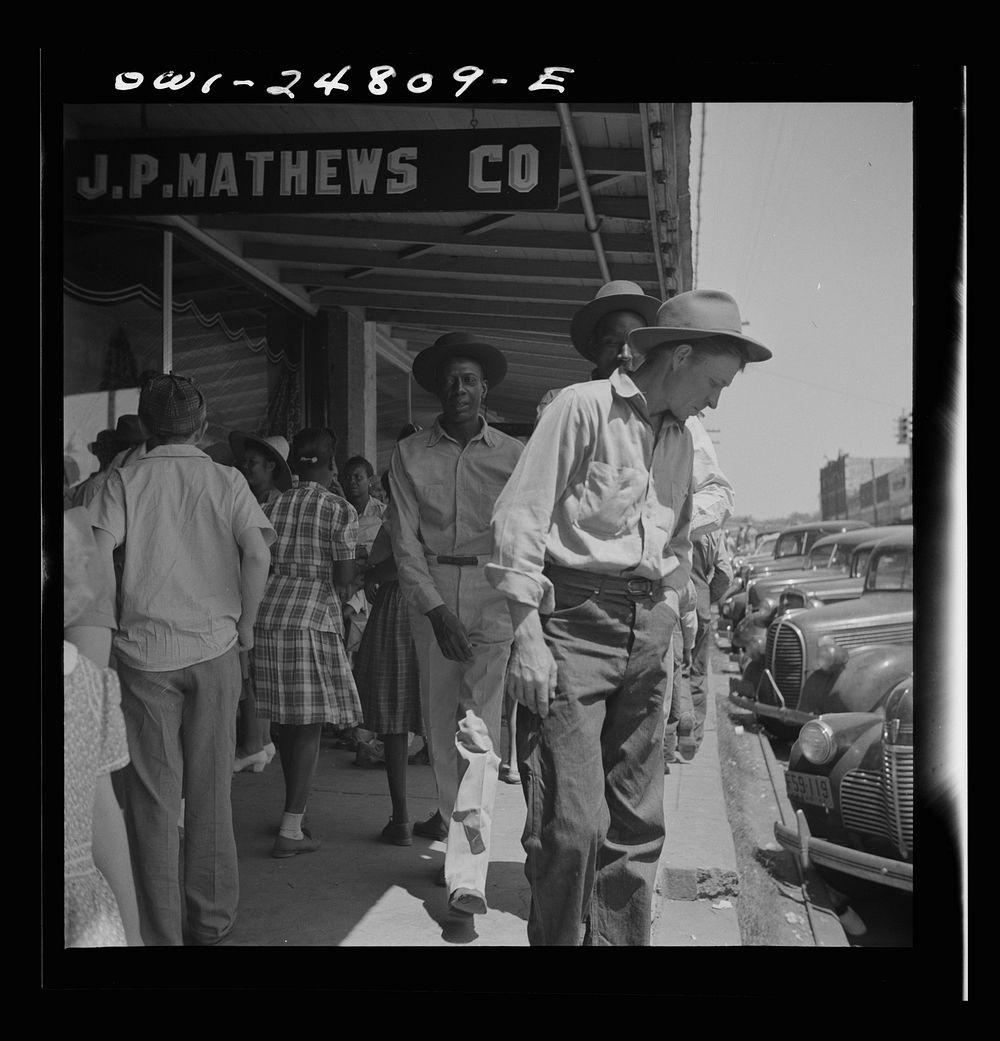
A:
(356, 891)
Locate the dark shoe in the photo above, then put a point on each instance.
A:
(687, 744)
(509, 774)
(398, 834)
(432, 828)
(467, 902)
(286, 847)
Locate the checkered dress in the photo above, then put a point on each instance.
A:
(300, 669)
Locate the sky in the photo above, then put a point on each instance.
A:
(803, 213)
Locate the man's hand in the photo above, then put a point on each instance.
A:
(450, 634)
(531, 674)
(245, 634)
(531, 671)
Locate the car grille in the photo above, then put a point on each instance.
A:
(897, 632)
(784, 654)
(882, 803)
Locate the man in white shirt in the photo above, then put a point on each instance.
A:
(444, 482)
(592, 550)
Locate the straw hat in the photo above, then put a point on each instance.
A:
(618, 295)
(274, 447)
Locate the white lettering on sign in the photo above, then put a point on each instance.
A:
(405, 171)
(98, 185)
(224, 176)
(296, 172)
(326, 171)
(142, 171)
(522, 168)
(543, 81)
(191, 173)
(128, 80)
(478, 157)
(170, 81)
(257, 160)
(363, 164)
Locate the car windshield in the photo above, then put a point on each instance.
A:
(790, 544)
(891, 569)
(829, 556)
(766, 544)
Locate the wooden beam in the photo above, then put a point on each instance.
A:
(394, 316)
(564, 270)
(460, 306)
(626, 207)
(419, 334)
(422, 235)
(335, 285)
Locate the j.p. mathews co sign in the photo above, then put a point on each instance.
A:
(509, 169)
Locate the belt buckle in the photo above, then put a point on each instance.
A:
(638, 587)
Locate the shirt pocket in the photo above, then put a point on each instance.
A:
(610, 500)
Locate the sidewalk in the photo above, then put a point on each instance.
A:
(358, 892)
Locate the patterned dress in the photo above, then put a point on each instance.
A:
(94, 743)
(300, 670)
(385, 666)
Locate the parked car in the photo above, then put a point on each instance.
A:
(808, 656)
(850, 781)
(791, 551)
(833, 557)
(764, 549)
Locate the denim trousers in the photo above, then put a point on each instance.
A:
(681, 703)
(699, 673)
(181, 729)
(592, 769)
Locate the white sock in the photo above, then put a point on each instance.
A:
(291, 825)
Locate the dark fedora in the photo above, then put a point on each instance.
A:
(696, 315)
(275, 448)
(458, 345)
(617, 295)
(104, 442)
(130, 431)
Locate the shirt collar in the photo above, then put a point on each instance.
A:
(175, 449)
(623, 386)
(485, 433)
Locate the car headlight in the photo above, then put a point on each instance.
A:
(830, 655)
(765, 612)
(755, 645)
(816, 741)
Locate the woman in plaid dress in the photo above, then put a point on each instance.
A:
(388, 677)
(300, 670)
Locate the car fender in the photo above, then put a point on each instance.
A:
(868, 676)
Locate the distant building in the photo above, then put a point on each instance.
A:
(875, 490)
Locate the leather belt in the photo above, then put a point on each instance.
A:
(459, 561)
(634, 587)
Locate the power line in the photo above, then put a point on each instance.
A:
(833, 390)
(701, 170)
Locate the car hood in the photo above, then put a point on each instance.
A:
(778, 564)
(767, 585)
(829, 590)
(870, 618)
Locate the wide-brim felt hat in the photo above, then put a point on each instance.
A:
(130, 431)
(274, 447)
(617, 295)
(458, 345)
(695, 315)
(104, 442)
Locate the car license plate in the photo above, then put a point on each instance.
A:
(809, 788)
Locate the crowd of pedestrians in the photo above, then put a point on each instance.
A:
(228, 602)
